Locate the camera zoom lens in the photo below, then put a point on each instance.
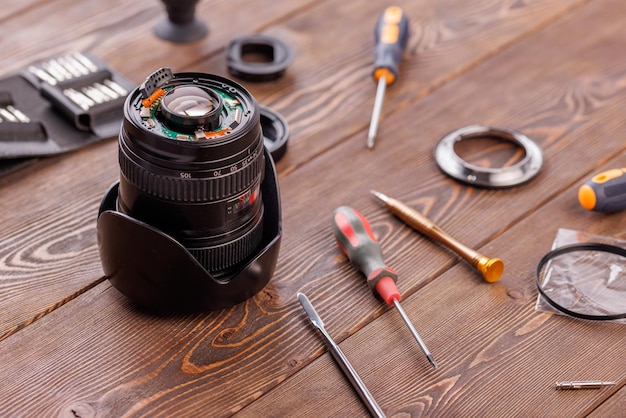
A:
(192, 162)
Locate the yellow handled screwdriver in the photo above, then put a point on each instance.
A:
(605, 192)
(391, 36)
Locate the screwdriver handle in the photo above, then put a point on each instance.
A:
(605, 192)
(355, 238)
(491, 268)
(391, 36)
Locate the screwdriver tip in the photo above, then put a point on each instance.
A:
(383, 198)
(432, 360)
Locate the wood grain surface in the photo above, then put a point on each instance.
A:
(72, 346)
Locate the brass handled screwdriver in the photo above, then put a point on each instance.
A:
(491, 268)
(391, 35)
(355, 238)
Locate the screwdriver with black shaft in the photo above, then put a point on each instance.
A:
(355, 238)
(391, 36)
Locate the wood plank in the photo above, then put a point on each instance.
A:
(497, 356)
(12, 9)
(326, 102)
(218, 363)
(613, 407)
(449, 39)
(120, 32)
(40, 271)
(50, 248)
(446, 396)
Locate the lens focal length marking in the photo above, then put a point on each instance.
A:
(199, 186)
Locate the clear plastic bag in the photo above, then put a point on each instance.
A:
(586, 282)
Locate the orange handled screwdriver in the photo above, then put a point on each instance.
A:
(355, 238)
(391, 36)
(605, 192)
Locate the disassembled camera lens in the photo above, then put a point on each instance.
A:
(275, 53)
(191, 157)
(454, 166)
(194, 222)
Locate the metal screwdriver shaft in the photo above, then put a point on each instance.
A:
(378, 107)
(390, 36)
(417, 337)
(341, 359)
(355, 238)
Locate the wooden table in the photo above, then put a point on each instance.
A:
(73, 346)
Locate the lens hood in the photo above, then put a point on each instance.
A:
(158, 273)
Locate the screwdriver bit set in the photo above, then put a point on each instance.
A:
(11, 114)
(63, 68)
(82, 88)
(58, 105)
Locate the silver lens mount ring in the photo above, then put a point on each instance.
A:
(454, 166)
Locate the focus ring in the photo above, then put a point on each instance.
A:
(222, 257)
(194, 189)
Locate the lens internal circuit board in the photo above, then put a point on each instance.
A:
(230, 117)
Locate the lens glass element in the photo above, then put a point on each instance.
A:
(189, 101)
(188, 108)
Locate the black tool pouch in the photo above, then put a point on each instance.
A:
(56, 106)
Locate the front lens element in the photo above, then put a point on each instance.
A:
(188, 108)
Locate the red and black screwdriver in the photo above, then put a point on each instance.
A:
(355, 238)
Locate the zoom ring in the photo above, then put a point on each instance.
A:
(194, 189)
(222, 257)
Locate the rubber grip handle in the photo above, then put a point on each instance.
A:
(355, 238)
(604, 192)
(391, 36)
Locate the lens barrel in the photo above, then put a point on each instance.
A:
(192, 162)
